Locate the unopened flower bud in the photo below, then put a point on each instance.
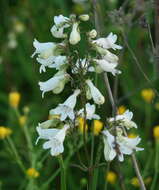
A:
(84, 17)
(75, 34)
(93, 33)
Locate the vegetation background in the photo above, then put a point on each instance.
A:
(136, 24)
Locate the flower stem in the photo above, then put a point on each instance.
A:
(63, 176)
(156, 166)
(14, 150)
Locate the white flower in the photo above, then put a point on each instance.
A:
(75, 34)
(53, 83)
(92, 34)
(61, 21)
(124, 145)
(111, 57)
(66, 109)
(44, 50)
(108, 42)
(125, 119)
(95, 93)
(128, 145)
(84, 17)
(82, 64)
(52, 62)
(109, 151)
(90, 112)
(108, 66)
(55, 139)
(58, 32)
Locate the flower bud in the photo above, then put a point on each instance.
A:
(84, 17)
(96, 95)
(92, 34)
(75, 34)
(14, 99)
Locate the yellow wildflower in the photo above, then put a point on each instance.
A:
(132, 135)
(81, 124)
(156, 132)
(97, 127)
(148, 94)
(111, 177)
(4, 132)
(22, 120)
(32, 172)
(121, 109)
(14, 99)
(135, 182)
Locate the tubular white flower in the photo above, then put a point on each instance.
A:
(108, 42)
(109, 152)
(110, 57)
(125, 146)
(125, 119)
(53, 83)
(90, 112)
(44, 50)
(52, 62)
(95, 93)
(58, 32)
(61, 21)
(75, 34)
(108, 66)
(66, 109)
(55, 139)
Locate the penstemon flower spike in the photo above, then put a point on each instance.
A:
(75, 69)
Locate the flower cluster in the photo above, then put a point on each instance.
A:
(75, 67)
(116, 141)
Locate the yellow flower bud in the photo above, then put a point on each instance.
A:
(22, 120)
(121, 110)
(81, 124)
(32, 172)
(111, 177)
(148, 95)
(135, 182)
(132, 135)
(14, 99)
(97, 127)
(4, 132)
(156, 132)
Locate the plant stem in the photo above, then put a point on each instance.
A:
(63, 176)
(106, 181)
(156, 166)
(96, 171)
(14, 150)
